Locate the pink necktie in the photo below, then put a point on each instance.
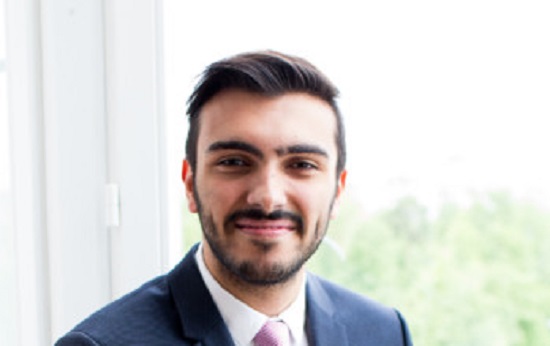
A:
(273, 333)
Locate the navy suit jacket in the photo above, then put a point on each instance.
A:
(177, 309)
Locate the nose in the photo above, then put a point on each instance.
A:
(267, 190)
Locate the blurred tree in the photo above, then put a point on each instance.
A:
(467, 276)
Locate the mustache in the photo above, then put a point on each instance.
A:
(258, 214)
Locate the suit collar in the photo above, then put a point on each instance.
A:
(200, 318)
(322, 326)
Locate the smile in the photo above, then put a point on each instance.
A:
(265, 228)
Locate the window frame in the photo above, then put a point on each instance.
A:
(84, 84)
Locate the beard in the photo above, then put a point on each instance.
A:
(252, 271)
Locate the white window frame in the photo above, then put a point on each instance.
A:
(86, 113)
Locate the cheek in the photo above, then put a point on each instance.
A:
(219, 199)
(315, 204)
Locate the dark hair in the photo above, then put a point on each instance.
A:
(269, 73)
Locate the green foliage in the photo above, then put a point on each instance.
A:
(192, 233)
(474, 275)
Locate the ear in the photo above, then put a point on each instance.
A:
(341, 185)
(187, 177)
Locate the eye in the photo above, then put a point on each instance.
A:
(303, 165)
(232, 162)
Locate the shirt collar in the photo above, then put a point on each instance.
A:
(244, 322)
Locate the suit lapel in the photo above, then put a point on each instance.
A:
(322, 328)
(200, 318)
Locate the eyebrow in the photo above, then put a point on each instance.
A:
(235, 145)
(302, 149)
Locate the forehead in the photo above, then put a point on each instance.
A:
(282, 119)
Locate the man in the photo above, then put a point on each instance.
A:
(265, 171)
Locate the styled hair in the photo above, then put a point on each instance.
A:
(267, 73)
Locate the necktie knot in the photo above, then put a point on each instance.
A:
(273, 333)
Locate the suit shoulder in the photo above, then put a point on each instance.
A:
(359, 313)
(352, 301)
(141, 314)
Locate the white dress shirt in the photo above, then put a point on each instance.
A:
(244, 322)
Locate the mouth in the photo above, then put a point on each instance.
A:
(257, 224)
(265, 228)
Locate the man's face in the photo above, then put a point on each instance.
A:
(265, 183)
